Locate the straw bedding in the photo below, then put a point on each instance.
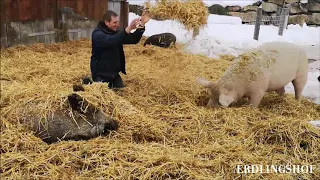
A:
(165, 132)
(193, 14)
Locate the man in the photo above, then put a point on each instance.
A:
(108, 58)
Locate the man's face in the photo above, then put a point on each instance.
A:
(113, 24)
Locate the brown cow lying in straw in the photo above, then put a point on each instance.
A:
(79, 125)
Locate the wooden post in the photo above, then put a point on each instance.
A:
(257, 25)
(287, 16)
(282, 20)
(3, 24)
(124, 14)
(56, 18)
(62, 34)
(278, 11)
(195, 32)
(64, 31)
(286, 21)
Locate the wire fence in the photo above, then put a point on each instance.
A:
(265, 20)
(279, 20)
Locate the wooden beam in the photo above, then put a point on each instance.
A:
(52, 32)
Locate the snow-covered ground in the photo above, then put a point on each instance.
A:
(227, 35)
(208, 2)
(235, 36)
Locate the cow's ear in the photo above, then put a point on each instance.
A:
(75, 101)
(205, 83)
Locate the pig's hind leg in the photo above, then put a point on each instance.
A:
(298, 85)
(256, 98)
(281, 91)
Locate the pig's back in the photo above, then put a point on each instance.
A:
(290, 61)
(273, 64)
(285, 53)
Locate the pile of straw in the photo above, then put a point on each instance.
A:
(165, 132)
(193, 14)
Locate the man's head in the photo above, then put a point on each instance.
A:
(111, 20)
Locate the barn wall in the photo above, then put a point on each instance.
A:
(37, 21)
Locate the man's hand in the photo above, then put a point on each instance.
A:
(133, 25)
(145, 17)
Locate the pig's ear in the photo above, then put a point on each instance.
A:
(77, 88)
(225, 100)
(75, 101)
(205, 83)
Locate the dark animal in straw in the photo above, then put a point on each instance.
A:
(163, 40)
(81, 125)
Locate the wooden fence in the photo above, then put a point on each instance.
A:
(37, 21)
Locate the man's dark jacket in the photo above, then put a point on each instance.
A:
(108, 58)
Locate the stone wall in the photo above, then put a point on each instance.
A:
(300, 12)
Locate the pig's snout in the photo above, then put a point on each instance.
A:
(104, 128)
(110, 125)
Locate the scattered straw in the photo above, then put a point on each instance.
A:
(192, 14)
(250, 64)
(164, 132)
